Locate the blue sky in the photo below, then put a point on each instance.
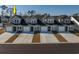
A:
(51, 9)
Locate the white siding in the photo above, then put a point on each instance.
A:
(76, 27)
(8, 28)
(1, 24)
(27, 20)
(26, 29)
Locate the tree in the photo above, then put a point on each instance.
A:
(3, 7)
(9, 11)
(32, 12)
(29, 12)
(77, 14)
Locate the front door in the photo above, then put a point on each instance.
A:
(14, 29)
(19, 29)
(31, 29)
(66, 28)
(49, 29)
(37, 29)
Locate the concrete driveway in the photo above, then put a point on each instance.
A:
(71, 38)
(24, 38)
(5, 36)
(48, 38)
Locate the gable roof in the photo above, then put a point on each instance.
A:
(39, 21)
(22, 20)
(17, 16)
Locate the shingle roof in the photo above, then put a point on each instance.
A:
(39, 21)
(22, 20)
(76, 17)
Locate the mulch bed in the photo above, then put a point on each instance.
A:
(60, 38)
(1, 31)
(77, 34)
(10, 40)
(36, 38)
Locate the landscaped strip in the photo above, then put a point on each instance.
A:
(1, 31)
(77, 34)
(10, 40)
(60, 38)
(36, 38)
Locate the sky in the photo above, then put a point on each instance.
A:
(50, 9)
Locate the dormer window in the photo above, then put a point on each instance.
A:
(33, 21)
(16, 21)
(49, 20)
(67, 21)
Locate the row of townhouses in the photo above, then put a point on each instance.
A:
(19, 23)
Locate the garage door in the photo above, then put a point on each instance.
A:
(44, 29)
(61, 29)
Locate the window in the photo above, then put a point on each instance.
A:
(19, 27)
(16, 21)
(71, 27)
(32, 21)
(49, 21)
(67, 21)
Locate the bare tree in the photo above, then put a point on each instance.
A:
(32, 12)
(3, 7)
(9, 10)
